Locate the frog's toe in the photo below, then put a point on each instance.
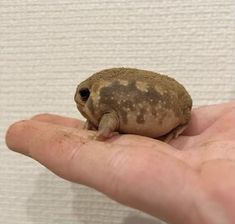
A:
(174, 133)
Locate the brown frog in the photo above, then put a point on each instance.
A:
(133, 101)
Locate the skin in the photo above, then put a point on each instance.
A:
(191, 180)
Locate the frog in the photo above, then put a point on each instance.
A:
(133, 101)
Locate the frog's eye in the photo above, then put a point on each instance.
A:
(84, 94)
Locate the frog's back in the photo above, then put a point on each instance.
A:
(150, 78)
(175, 93)
(129, 74)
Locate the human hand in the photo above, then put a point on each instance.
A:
(191, 180)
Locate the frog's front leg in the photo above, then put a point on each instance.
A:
(108, 124)
(174, 133)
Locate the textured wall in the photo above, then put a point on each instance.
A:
(47, 47)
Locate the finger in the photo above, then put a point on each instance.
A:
(133, 140)
(75, 123)
(52, 145)
(19, 134)
(136, 176)
(185, 142)
(221, 129)
(60, 120)
(203, 117)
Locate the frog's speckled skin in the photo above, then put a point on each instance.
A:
(133, 101)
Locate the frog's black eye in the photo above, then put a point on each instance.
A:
(84, 94)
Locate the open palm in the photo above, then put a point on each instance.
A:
(191, 180)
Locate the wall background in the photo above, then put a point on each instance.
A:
(47, 47)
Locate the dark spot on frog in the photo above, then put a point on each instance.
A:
(128, 104)
(113, 96)
(153, 111)
(120, 97)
